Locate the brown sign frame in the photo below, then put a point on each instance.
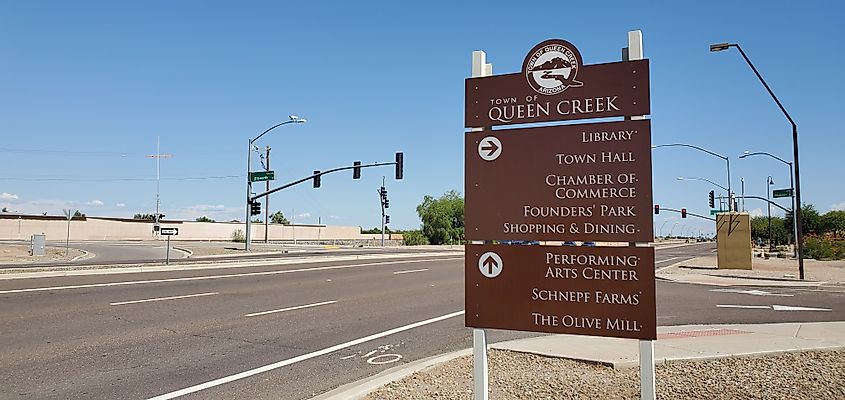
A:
(513, 298)
(613, 89)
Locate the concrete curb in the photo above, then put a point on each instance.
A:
(188, 252)
(84, 256)
(358, 390)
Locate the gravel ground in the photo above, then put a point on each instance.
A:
(16, 253)
(805, 375)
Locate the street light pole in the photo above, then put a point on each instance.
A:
(791, 195)
(247, 239)
(728, 161)
(681, 178)
(769, 183)
(799, 240)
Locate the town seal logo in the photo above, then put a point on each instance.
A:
(552, 67)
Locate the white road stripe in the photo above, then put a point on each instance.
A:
(739, 306)
(668, 259)
(120, 303)
(410, 271)
(283, 363)
(211, 277)
(291, 308)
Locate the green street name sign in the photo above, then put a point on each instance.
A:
(782, 193)
(714, 212)
(262, 176)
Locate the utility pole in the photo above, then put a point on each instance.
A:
(158, 156)
(267, 199)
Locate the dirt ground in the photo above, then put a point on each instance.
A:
(17, 254)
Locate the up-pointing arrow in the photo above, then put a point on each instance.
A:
(490, 263)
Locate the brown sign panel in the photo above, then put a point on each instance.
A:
(599, 291)
(555, 86)
(560, 183)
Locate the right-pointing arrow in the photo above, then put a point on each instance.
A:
(491, 148)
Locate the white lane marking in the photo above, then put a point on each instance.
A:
(410, 271)
(740, 306)
(369, 354)
(210, 277)
(347, 357)
(120, 303)
(291, 308)
(283, 363)
(754, 292)
(797, 308)
(668, 259)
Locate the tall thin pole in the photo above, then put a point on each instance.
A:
(158, 176)
(267, 198)
(381, 199)
(794, 220)
(730, 193)
(799, 222)
(248, 193)
(769, 204)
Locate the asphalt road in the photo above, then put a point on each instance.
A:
(64, 338)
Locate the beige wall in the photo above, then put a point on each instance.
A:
(93, 228)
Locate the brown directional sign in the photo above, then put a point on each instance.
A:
(554, 85)
(571, 182)
(562, 289)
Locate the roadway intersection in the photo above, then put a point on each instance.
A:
(288, 331)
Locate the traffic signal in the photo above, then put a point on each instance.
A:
(386, 203)
(400, 161)
(356, 172)
(657, 208)
(254, 208)
(316, 179)
(683, 213)
(712, 199)
(386, 219)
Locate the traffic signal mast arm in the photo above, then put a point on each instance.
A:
(311, 177)
(761, 199)
(688, 213)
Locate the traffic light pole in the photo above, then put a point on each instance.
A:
(248, 194)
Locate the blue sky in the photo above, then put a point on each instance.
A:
(88, 86)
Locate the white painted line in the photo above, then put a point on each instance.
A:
(283, 363)
(410, 271)
(739, 306)
(797, 308)
(668, 259)
(211, 277)
(120, 303)
(347, 357)
(291, 308)
(754, 292)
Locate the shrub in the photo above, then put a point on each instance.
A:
(238, 236)
(824, 248)
(414, 238)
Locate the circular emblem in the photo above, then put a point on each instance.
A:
(490, 264)
(552, 67)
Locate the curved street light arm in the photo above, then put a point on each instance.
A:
(763, 153)
(690, 146)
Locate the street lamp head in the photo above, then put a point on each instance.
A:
(719, 47)
(680, 178)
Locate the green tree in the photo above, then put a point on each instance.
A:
(833, 222)
(204, 219)
(443, 218)
(811, 221)
(279, 218)
(414, 238)
(145, 217)
(78, 214)
(760, 230)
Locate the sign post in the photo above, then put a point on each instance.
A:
(168, 232)
(578, 182)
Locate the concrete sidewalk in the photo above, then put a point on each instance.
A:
(763, 272)
(674, 343)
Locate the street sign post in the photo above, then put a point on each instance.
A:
(261, 176)
(168, 232)
(587, 182)
(777, 193)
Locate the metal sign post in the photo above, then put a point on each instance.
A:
(587, 183)
(168, 232)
